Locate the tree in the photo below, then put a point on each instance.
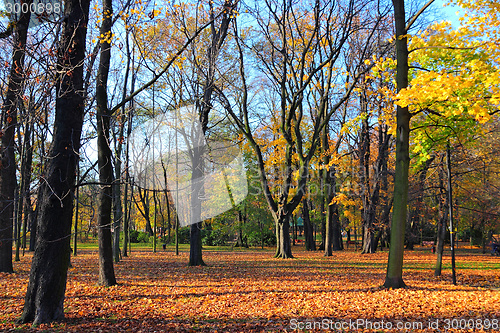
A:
(394, 277)
(144, 198)
(203, 71)
(417, 194)
(308, 227)
(466, 82)
(442, 222)
(47, 282)
(297, 46)
(8, 128)
(218, 36)
(128, 116)
(106, 269)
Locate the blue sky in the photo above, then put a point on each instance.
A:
(449, 12)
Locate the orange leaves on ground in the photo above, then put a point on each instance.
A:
(250, 292)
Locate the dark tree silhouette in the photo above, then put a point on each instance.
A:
(47, 283)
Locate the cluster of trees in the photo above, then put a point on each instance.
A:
(319, 96)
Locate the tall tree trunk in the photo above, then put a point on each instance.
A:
(8, 125)
(326, 190)
(77, 198)
(155, 219)
(322, 246)
(337, 244)
(167, 202)
(195, 249)
(450, 213)
(126, 218)
(283, 246)
(323, 208)
(333, 211)
(32, 228)
(386, 203)
(371, 246)
(240, 241)
(176, 234)
(26, 165)
(126, 199)
(308, 227)
(416, 211)
(197, 195)
(15, 218)
(129, 214)
(118, 208)
(47, 282)
(333, 235)
(24, 183)
(394, 277)
(218, 37)
(169, 216)
(369, 204)
(104, 155)
(330, 232)
(118, 215)
(442, 198)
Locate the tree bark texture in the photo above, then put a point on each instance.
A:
(283, 246)
(394, 277)
(218, 38)
(47, 282)
(33, 222)
(24, 205)
(333, 239)
(412, 236)
(118, 209)
(195, 250)
(386, 203)
(308, 227)
(442, 198)
(197, 195)
(369, 200)
(7, 154)
(104, 155)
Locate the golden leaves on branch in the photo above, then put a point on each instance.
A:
(456, 70)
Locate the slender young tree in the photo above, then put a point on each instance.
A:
(126, 213)
(368, 208)
(8, 125)
(414, 216)
(442, 198)
(104, 154)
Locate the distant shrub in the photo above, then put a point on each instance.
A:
(212, 237)
(184, 235)
(255, 238)
(138, 237)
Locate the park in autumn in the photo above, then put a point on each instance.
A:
(249, 166)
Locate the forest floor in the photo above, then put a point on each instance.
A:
(249, 291)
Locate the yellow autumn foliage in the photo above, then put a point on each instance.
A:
(457, 69)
